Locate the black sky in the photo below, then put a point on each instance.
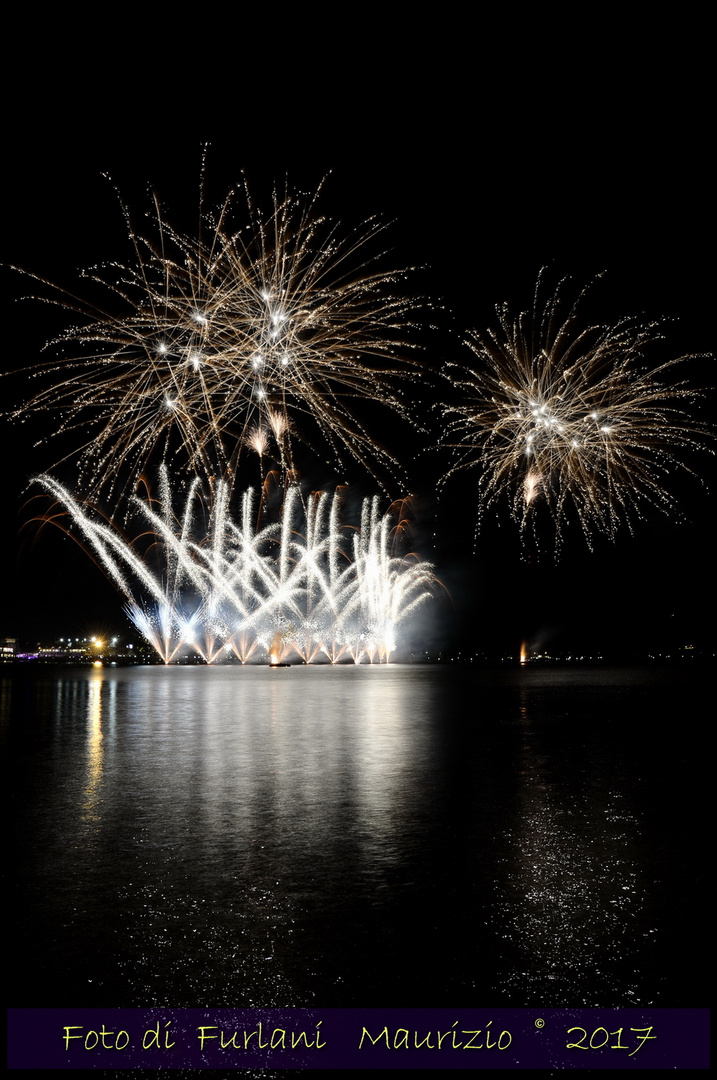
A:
(483, 188)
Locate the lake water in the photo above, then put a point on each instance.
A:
(356, 836)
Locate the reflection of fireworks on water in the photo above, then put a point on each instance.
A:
(298, 587)
(277, 327)
(566, 416)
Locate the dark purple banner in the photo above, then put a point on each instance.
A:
(165, 1038)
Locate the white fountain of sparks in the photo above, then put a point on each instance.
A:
(275, 592)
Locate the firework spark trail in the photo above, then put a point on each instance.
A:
(385, 583)
(210, 345)
(241, 590)
(566, 416)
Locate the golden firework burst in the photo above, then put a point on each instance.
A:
(565, 415)
(285, 323)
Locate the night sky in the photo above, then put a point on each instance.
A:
(481, 196)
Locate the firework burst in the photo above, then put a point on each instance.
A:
(279, 326)
(303, 586)
(571, 417)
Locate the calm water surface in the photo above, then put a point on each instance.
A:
(351, 836)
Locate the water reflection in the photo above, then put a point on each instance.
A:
(94, 748)
(239, 836)
(230, 811)
(571, 891)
